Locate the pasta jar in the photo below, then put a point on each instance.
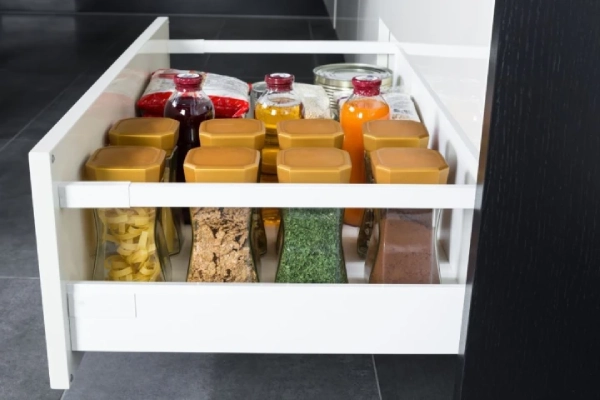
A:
(378, 134)
(130, 241)
(161, 133)
(311, 248)
(223, 244)
(403, 247)
(238, 132)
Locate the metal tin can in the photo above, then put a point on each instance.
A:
(336, 79)
(258, 89)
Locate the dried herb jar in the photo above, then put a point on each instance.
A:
(223, 242)
(377, 135)
(130, 241)
(161, 133)
(238, 132)
(403, 247)
(308, 133)
(311, 246)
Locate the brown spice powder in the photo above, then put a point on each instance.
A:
(221, 248)
(406, 251)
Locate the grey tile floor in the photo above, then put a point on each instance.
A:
(46, 64)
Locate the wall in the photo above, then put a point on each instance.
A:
(459, 22)
(229, 7)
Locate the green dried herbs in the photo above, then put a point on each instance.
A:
(311, 250)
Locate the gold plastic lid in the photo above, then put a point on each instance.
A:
(126, 163)
(222, 164)
(313, 165)
(310, 133)
(408, 165)
(154, 132)
(232, 132)
(269, 160)
(394, 133)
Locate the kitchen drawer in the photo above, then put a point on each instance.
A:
(83, 315)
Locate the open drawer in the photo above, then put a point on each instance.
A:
(83, 315)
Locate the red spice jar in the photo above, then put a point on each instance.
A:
(403, 244)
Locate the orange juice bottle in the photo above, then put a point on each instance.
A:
(365, 104)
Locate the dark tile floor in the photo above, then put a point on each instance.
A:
(46, 64)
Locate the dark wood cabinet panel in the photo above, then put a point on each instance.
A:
(534, 316)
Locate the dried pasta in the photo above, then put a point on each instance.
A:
(129, 235)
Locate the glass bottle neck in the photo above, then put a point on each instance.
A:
(187, 88)
(279, 88)
(367, 92)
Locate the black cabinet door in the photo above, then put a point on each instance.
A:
(532, 315)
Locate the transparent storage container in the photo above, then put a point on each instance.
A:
(310, 249)
(238, 132)
(130, 243)
(365, 104)
(377, 135)
(161, 133)
(403, 248)
(224, 247)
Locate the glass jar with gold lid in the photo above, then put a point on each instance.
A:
(161, 133)
(223, 247)
(378, 134)
(310, 133)
(403, 246)
(311, 246)
(130, 241)
(238, 132)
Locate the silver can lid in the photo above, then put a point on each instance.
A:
(259, 87)
(340, 75)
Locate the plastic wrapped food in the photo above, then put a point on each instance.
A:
(315, 100)
(229, 95)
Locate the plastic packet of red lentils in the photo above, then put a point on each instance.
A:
(229, 95)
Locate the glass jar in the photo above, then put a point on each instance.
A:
(311, 246)
(268, 168)
(278, 103)
(190, 106)
(223, 244)
(365, 104)
(238, 132)
(403, 247)
(378, 134)
(308, 133)
(161, 133)
(130, 241)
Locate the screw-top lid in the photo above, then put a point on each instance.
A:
(188, 80)
(269, 159)
(279, 79)
(366, 85)
(126, 163)
(154, 132)
(310, 133)
(408, 165)
(313, 165)
(222, 165)
(394, 133)
(232, 132)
